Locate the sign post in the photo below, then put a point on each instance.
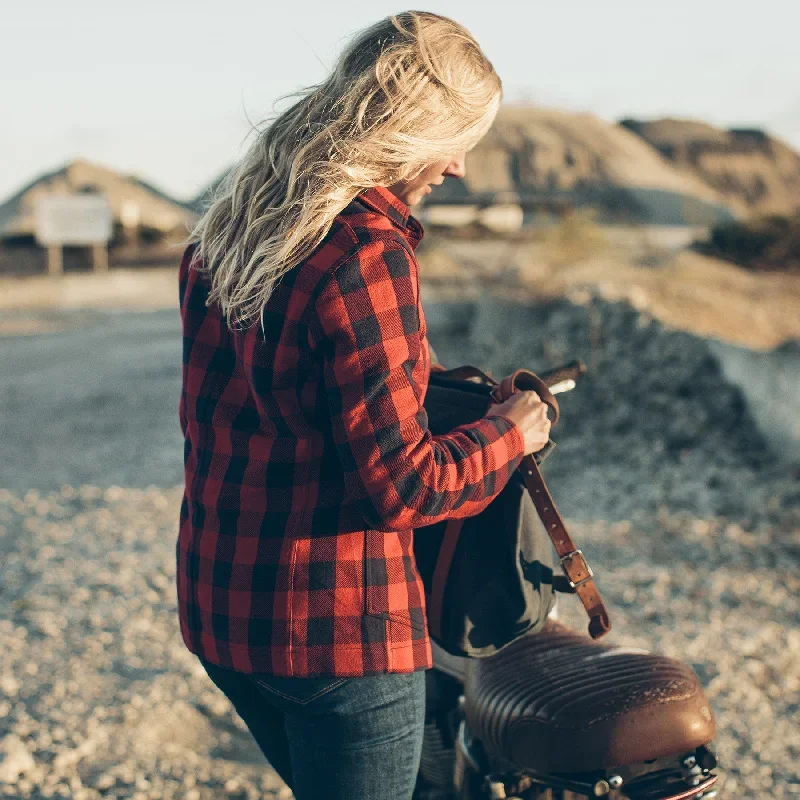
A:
(100, 257)
(74, 219)
(55, 259)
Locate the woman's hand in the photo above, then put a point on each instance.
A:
(529, 413)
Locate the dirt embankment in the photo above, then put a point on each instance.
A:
(578, 259)
(654, 425)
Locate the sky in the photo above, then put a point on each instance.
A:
(169, 89)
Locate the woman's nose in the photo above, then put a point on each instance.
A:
(457, 167)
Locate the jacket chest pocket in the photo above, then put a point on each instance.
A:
(392, 587)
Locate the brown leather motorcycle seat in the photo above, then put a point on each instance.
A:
(557, 701)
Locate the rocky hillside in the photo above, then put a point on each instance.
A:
(662, 172)
(541, 155)
(754, 172)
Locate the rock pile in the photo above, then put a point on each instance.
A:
(99, 698)
(653, 426)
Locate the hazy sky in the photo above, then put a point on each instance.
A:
(164, 88)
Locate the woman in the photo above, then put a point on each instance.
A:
(308, 459)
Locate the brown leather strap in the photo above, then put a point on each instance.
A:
(573, 563)
(452, 530)
(525, 380)
(575, 567)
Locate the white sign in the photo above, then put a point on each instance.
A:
(73, 219)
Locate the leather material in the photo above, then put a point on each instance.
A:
(473, 374)
(447, 412)
(522, 380)
(575, 567)
(559, 702)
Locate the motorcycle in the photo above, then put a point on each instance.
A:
(556, 715)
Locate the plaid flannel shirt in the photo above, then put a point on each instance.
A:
(308, 462)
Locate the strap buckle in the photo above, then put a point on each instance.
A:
(575, 569)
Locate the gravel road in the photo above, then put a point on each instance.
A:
(98, 696)
(96, 402)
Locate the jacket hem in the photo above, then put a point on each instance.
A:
(390, 663)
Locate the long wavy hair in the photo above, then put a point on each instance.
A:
(407, 92)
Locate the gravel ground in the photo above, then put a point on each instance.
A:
(690, 523)
(95, 402)
(101, 699)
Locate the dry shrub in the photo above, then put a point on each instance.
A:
(436, 264)
(769, 243)
(648, 251)
(574, 238)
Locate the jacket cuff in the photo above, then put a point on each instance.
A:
(512, 435)
(514, 432)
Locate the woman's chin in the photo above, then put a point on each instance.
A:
(417, 196)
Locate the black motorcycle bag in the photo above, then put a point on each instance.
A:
(488, 578)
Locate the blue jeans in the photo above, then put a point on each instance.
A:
(334, 738)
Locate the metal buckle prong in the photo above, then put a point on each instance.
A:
(584, 565)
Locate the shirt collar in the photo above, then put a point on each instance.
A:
(380, 199)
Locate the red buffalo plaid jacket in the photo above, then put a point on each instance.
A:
(308, 461)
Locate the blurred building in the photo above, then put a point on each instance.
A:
(148, 225)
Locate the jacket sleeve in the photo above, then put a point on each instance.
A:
(398, 473)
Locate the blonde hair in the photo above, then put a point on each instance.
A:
(409, 91)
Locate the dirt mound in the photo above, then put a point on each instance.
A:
(583, 161)
(753, 171)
